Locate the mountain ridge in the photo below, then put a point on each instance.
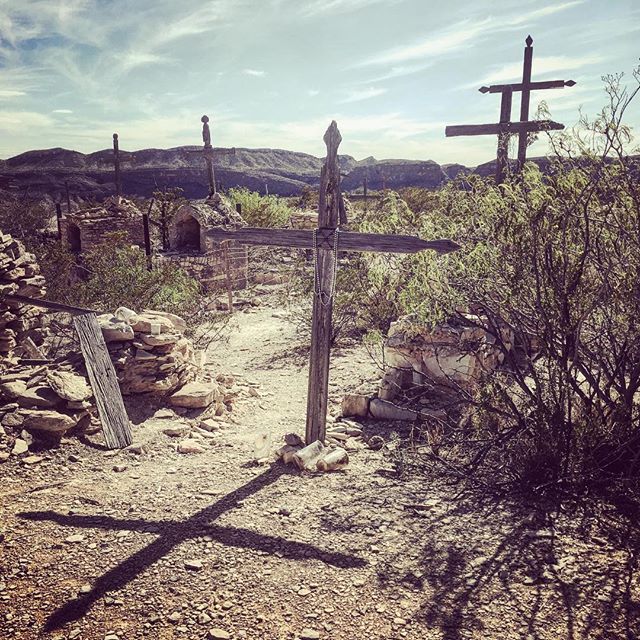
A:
(45, 172)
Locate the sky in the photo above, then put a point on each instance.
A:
(274, 73)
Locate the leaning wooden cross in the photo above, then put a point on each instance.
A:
(327, 240)
(505, 127)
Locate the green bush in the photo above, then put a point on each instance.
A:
(117, 275)
(261, 211)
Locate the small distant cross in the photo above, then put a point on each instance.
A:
(116, 165)
(505, 127)
(207, 152)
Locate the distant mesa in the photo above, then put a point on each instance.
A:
(44, 172)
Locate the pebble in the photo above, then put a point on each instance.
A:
(85, 588)
(76, 537)
(219, 634)
(304, 592)
(175, 617)
(309, 634)
(119, 468)
(19, 447)
(193, 565)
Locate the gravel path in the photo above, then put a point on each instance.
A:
(152, 543)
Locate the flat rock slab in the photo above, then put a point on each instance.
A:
(195, 395)
(69, 386)
(46, 420)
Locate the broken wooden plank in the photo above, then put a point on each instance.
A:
(104, 382)
(347, 240)
(47, 304)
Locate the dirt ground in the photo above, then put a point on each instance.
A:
(152, 543)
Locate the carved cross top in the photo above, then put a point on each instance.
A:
(327, 241)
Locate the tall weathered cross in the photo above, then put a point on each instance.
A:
(207, 151)
(505, 127)
(326, 241)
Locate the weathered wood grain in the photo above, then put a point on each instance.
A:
(116, 164)
(506, 127)
(348, 240)
(47, 304)
(525, 99)
(329, 212)
(102, 376)
(530, 86)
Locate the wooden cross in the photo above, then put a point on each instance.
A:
(207, 152)
(327, 240)
(505, 127)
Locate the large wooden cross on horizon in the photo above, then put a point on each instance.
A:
(505, 127)
(326, 241)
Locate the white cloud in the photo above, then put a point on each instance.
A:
(11, 93)
(254, 72)
(357, 95)
(541, 65)
(10, 120)
(133, 59)
(312, 92)
(64, 111)
(461, 35)
(314, 8)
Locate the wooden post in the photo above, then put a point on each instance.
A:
(524, 100)
(208, 154)
(58, 220)
(365, 191)
(66, 188)
(227, 267)
(326, 259)
(116, 164)
(502, 157)
(147, 236)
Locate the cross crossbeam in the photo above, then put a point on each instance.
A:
(347, 240)
(501, 128)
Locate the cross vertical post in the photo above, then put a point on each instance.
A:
(58, 219)
(502, 157)
(66, 189)
(116, 164)
(325, 275)
(524, 99)
(208, 154)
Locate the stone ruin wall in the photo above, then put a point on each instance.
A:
(210, 269)
(94, 230)
(20, 325)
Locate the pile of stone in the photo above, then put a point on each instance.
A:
(314, 457)
(22, 327)
(42, 402)
(150, 352)
(460, 352)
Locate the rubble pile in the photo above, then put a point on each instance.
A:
(42, 402)
(22, 327)
(460, 352)
(152, 355)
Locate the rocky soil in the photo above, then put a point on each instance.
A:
(151, 542)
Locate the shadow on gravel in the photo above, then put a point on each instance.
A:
(174, 533)
(581, 591)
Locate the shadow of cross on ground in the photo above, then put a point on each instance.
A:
(174, 533)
